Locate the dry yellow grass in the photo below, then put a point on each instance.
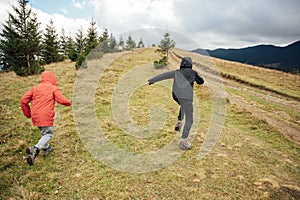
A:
(251, 160)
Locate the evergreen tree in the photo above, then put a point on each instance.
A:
(112, 43)
(130, 43)
(20, 42)
(63, 44)
(121, 43)
(71, 49)
(104, 36)
(104, 43)
(8, 47)
(80, 42)
(80, 48)
(166, 43)
(91, 40)
(140, 44)
(50, 52)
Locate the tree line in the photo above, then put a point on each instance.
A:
(24, 48)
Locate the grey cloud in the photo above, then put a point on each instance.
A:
(272, 20)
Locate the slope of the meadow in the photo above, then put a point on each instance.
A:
(252, 159)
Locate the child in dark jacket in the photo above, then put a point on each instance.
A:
(42, 99)
(182, 92)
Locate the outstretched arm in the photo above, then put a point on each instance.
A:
(26, 98)
(199, 80)
(160, 77)
(59, 98)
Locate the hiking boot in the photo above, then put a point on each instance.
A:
(178, 125)
(184, 144)
(46, 151)
(32, 154)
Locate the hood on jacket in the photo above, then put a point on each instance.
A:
(48, 77)
(186, 62)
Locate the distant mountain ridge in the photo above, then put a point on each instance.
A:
(281, 58)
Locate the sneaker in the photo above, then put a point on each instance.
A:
(46, 151)
(178, 125)
(32, 154)
(184, 144)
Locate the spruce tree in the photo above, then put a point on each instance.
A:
(130, 43)
(140, 44)
(112, 43)
(121, 43)
(63, 44)
(8, 47)
(103, 41)
(92, 37)
(50, 52)
(80, 42)
(71, 49)
(80, 48)
(104, 36)
(21, 41)
(166, 44)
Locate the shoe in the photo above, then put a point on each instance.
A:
(46, 151)
(184, 144)
(32, 154)
(178, 125)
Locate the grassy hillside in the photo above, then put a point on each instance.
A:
(251, 160)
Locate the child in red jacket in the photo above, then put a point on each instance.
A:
(42, 98)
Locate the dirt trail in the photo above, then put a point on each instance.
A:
(275, 117)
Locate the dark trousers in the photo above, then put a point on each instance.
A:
(186, 110)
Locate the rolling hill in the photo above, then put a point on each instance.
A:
(281, 58)
(256, 156)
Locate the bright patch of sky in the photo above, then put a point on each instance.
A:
(68, 8)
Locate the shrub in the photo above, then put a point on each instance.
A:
(73, 56)
(162, 63)
(80, 62)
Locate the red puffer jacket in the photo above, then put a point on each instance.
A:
(42, 98)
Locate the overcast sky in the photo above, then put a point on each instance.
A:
(209, 23)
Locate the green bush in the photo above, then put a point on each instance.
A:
(80, 62)
(162, 63)
(73, 56)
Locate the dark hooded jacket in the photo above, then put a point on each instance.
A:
(184, 79)
(43, 98)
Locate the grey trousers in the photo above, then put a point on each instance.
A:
(47, 134)
(187, 111)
